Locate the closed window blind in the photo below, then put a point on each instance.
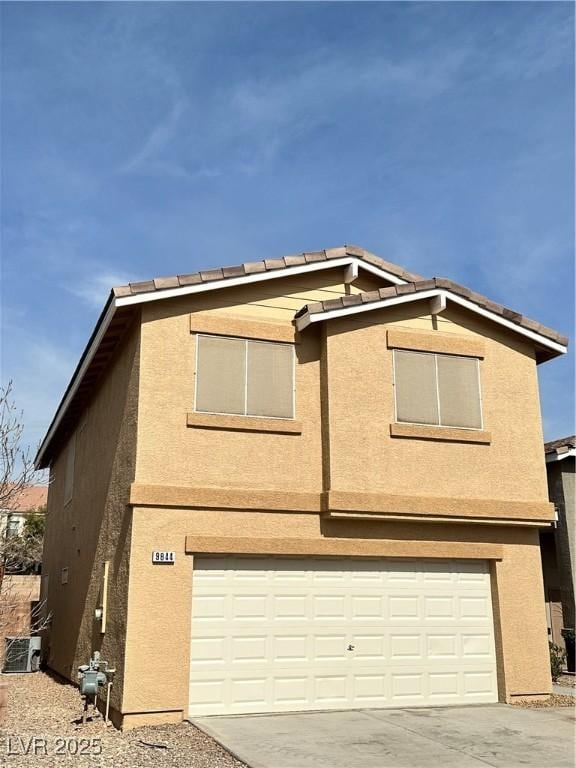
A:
(416, 396)
(239, 376)
(437, 389)
(221, 375)
(459, 391)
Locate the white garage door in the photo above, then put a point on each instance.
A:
(278, 634)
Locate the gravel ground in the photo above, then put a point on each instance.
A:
(568, 680)
(43, 708)
(555, 700)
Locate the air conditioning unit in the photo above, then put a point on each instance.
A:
(22, 654)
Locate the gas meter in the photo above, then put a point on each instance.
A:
(92, 676)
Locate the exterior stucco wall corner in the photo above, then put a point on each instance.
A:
(94, 527)
(523, 663)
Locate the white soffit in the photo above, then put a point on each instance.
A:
(558, 456)
(258, 277)
(156, 295)
(331, 314)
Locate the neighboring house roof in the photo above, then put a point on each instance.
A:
(556, 450)
(119, 310)
(30, 499)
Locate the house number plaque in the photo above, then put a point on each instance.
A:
(160, 557)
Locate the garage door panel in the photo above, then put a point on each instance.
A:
(368, 646)
(442, 684)
(403, 607)
(477, 645)
(285, 634)
(442, 646)
(478, 683)
(329, 647)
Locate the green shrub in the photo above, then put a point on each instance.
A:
(557, 659)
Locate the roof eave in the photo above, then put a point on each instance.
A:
(560, 455)
(95, 337)
(546, 348)
(119, 297)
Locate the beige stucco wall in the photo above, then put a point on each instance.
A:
(136, 431)
(364, 456)
(169, 452)
(94, 526)
(355, 450)
(160, 597)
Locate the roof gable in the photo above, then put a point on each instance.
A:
(403, 286)
(440, 289)
(267, 269)
(122, 304)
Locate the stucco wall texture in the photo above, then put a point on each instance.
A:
(562, 491)
(136, 427)
(93, 527)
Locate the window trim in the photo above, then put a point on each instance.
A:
(439, 425)
(245, 415)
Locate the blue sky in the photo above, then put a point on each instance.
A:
(141, 140)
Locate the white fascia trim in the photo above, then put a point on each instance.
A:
(185, 290)
(77, 378)
(231, 282)
(303, 322)
(555, 456)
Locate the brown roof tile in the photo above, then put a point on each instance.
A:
(274, 264)
(211, 274)
(352, 299)
(143, 287)
(254, 267)
(336, 253)
(191, 279)
(438, 282)
(237, 271)
(297, 260)
(388, 292)
(369, 296)
(122, 290)
(65, 414)
(561, 445)
(355, 250)
(165, 282)
(312, 256)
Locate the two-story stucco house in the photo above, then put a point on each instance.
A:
(313, 482)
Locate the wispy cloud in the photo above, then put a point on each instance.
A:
(93, 289)
(39, 377)
(158, 138)
(141, 139)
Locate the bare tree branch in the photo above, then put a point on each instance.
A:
(20, 554)
(16, 464)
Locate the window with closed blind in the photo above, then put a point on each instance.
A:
(436, 389)
(244, 377)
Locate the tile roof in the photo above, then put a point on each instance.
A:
(30, 498)
(562, 445)
(427, 285)
(266, 265)
(117, 317)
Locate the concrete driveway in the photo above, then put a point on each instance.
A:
(443, 737)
